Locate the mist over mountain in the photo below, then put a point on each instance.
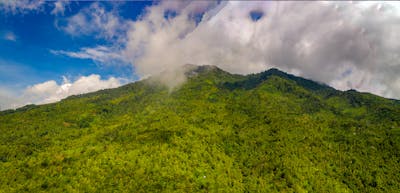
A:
(213, 132)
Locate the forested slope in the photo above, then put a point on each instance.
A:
(218, 132)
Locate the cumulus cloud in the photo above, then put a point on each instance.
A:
(345, 44)
(50, 91)
(349, 45)
(8, 98)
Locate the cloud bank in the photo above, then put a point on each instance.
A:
(347, 45)
(50, 91)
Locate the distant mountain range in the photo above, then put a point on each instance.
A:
(217, 132)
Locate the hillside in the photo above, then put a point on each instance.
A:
(218, 132)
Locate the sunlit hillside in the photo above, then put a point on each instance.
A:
(217, 132)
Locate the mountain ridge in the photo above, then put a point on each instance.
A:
(250, 81)
(217, 132)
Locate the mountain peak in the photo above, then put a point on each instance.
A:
(192, 70)
(253, 80)
(274, 70)
(200, 68)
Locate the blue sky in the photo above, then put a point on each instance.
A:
(53, 49)
(25, 57)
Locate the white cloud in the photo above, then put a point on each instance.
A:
(10, 36)
(50, 91)
(95, 20)
(21, 6)
(101, 54)
(25, 6)
(59, 7)
(318, 40)
(8, 98)
(344, 44)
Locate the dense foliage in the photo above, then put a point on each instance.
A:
(218, 132)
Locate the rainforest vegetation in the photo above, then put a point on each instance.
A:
(217, 132)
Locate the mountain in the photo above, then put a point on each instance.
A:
(216, 132)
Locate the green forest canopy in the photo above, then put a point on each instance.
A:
(218, 132)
